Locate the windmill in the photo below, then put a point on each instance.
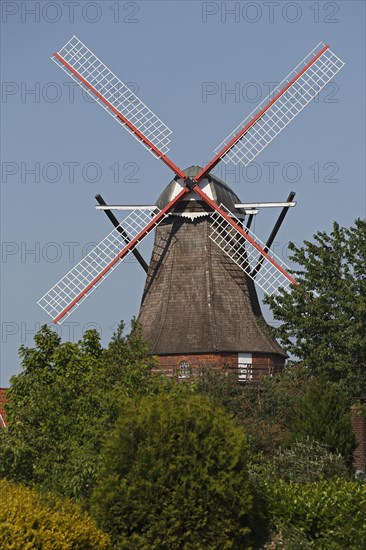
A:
(199, 302)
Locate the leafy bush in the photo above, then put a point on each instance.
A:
(29, 520)
(329, 514)
(269, 406)
(222, 388)
(323, 414)
(174, 477)
(265, 409)
(307, 460)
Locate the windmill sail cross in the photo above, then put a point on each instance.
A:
(243, 145)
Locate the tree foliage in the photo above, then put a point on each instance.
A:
(268, 409)
(324, 318)
(165, 464)
(29, 520)
(264, 409)
(323, 415)
(175, 477)
(64, 402)
(222, 388)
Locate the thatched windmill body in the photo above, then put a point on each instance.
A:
(199, 303)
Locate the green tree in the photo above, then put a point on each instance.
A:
(64, 402)
(324, 318)
(264, 409)
(175, 477)
(269, 406)
(221, 387)
(323, 415)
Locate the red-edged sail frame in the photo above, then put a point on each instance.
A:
(243, 233)
(217, 158)
(123, 119)
(75, 286)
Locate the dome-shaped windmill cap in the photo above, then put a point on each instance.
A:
(214, 187)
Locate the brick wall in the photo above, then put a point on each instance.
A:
(268, 364)
(358, 421)
(261, 364)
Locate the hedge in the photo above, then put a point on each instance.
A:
(30, 520)
(329, 514)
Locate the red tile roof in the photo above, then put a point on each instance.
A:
(3, 422)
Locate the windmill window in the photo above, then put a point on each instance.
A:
(245, 367)
(184, 369)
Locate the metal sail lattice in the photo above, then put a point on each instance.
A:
(248, 252)
(117, 96)
(283, 110)
(83, 278)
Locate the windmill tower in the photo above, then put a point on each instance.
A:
(199, 303)
(198, 307)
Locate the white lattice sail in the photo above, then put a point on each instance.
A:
(247, 253)
(308, 79)
(112, 94)
(82, 279)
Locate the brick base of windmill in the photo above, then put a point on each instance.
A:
(245, 367)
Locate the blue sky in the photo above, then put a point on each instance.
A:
(184, 60)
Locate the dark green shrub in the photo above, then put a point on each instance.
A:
(222, 388)
(323, 414)
(174, 478)
(269, 406)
